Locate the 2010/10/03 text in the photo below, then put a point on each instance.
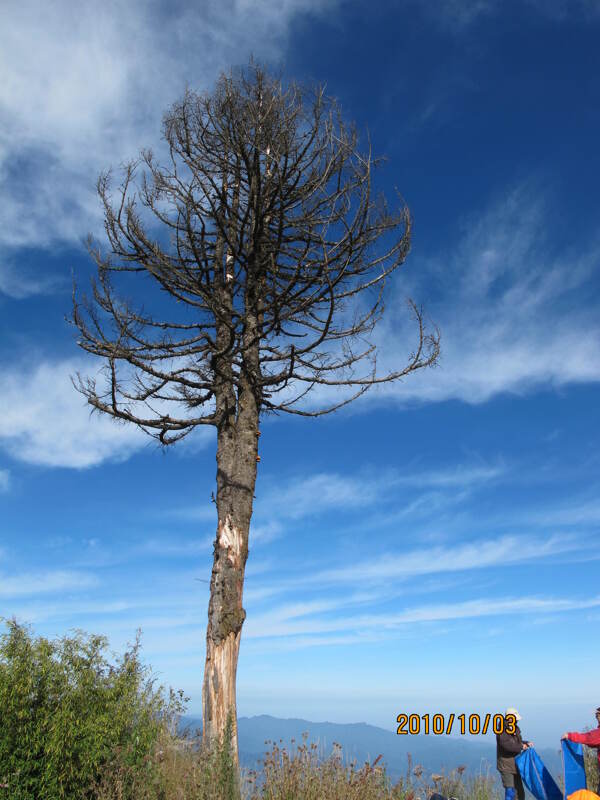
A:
(439, 724)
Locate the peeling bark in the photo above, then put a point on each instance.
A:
(237, 450)
(225, 619)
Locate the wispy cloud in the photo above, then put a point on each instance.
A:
(126, 607)
(196, 513)
(282, 501)
(302, 497)
(4, 480)
(18, 282)
(458, 16)
(265, 533)
(580, 513)
(32, 583)
(306, 496)
(461, 476)
(517, 313)
(563, 9)
(177, 548)
(52, 610)
(438, 568)
(87, 99)
(274, 624)
(509, 319)
(46, 421)
(429, 561)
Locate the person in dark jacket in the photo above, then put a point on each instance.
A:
(509, 745)
(591, 739)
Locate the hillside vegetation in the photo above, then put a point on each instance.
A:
(77, 726)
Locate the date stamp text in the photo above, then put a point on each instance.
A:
(440, 724)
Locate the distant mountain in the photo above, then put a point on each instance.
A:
(364, 742)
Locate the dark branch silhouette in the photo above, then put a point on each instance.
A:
(264, 228)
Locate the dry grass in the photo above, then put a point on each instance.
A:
(187, 771)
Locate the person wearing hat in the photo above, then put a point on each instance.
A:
(509, 745)
(591, 739)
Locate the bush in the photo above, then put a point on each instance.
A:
(75, 726)
(68, 714)
(189, 769)
(591, 768)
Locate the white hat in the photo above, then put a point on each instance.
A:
(513, 712)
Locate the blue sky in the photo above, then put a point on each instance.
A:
(434, 547)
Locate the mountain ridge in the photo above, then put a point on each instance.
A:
(361, 741)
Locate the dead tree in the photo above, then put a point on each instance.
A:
(263, 232)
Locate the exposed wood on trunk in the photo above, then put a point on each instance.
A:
(236, 478)
(225, 618)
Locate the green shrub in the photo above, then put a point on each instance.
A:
(73, 725)
(591, 768)
(226, 769)
(188, 769)
(68, 713)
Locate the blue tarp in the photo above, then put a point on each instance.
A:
(536, 777)
(572, 753)
(539, 781)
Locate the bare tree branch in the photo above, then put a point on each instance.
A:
(267, 206)
(263, 234)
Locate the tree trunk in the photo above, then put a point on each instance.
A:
(237, 448)
(237, 451)
(225, 618)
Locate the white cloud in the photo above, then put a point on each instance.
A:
(581, 513)
(319, 493)
(255, 595)
(515, 314)
(458, 476)
(4, 480)
(381, 575)
(17, 282)
(302, 497)
(458, 15)
(265, 533)
(274, 624)
(31, 583)
(128, 607)
(73, 612)
(46, 421)
(170, 547)
(382, 578)
(199, 513)
(478, 554)
(562, 9)
(86, 88)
